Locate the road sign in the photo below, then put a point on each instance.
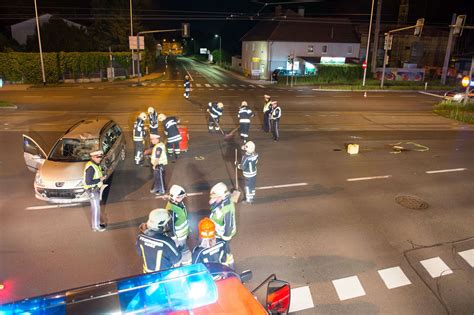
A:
(388, 42)
(132, 42)
(364, 65)
(185, 33)
(465, 81)
(459, 25)
(203, 51)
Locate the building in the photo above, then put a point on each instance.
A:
(269, 44)
(21, 31)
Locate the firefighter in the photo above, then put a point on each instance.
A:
(179, 221)
(153, 119)
(93, 179)
(215, 111)
(187, 86)
(154, 245)
(138, 137)
(209, 249)
(275, 120)
(173, 137)
(267, 109)
(244, 115)
(248, 165)
(159, 160)
(223, 215)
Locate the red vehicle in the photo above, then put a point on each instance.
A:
(195, 289)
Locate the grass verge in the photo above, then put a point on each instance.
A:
(456, 111)
(5, 104)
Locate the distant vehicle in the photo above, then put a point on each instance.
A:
(195, 289)
(458, 95)
(59, 175)
(282, 73)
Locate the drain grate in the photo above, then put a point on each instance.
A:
(411, 202)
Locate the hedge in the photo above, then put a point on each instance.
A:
(339, 74)
(26, 67)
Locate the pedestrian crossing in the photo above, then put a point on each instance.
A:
(352, 287)
(206, 86)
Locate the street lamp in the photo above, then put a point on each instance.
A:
(220, 48)
(39, 42)
(131, 34)
(368, 43)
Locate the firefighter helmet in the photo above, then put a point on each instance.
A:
(249, 147)
(244, 103)
(177, 191)
(151, 110)
(142, 116)
(219, 190)
(158, 219)
(207, 228)
(220, 105)
(161, 117)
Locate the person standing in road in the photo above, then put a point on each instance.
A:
(159, 160)
(215, 111)
(154, 245)
(223, 215)
(275, 120)
(267, 109)
(244, 115)
(153, 119)
(173, 137)
(93, 180)
(187, 86)
(248, 165)
(138, 137)
(209, 249)
(179, 221)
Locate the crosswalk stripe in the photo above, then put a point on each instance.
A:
(301, 299)
(234, 84)
(394, 277)
(216, 85)
(225, 85)
(468, 256)
(436, 267)
(162, 84)
(253, 86)
(198, 84)
(261, 86)
(207, 85)
(242, 85)
(348, 288)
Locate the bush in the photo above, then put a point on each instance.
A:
(456, 111)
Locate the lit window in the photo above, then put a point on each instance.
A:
(324, 49)
(349, 49)
(310, 49)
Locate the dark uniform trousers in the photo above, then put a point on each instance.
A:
(250, 183)
(266, 120)
(244, 131)
(275, 128)
(159, 179)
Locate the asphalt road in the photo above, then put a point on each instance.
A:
(326, 221)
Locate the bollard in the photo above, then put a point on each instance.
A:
(426, 85)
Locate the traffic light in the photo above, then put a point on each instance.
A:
(458, 26)
(185, 30)
(290, 61)
(419, 26)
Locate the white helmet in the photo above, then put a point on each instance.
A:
(161, 117)
(151, 110)
(177, 191)
(249, 147)
(158, 219)
(142, 116)
(219, 190)
(244, 103)
(220, 105)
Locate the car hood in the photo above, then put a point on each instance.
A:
(52, 171)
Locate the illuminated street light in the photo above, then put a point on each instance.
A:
(220, 48)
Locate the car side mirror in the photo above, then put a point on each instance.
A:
(278, 297)
(246, 276)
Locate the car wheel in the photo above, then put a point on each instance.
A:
(122, 154)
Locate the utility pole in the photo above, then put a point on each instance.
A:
(448, 52)
(376, 37)
(131, 34)
(39, 42)
(368, 42)
(468, 87)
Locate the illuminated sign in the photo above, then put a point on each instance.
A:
(203, 51)
(333, 60)
(255, 59)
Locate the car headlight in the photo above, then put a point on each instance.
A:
(458, 96)
(38, 179)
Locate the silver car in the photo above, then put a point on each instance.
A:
(59, 175)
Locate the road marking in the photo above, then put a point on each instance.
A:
(62, 96)
(207, 85)
(446, 171)
(225, 85)
(436, 267)
(260, 86)
(53, 206)
(253, 86)
(198, 84)
(216, 85)
(348, 288)
(281, 186)
(301, 299)
(101, 96)
(431, 94)
(367, 178)
(468, 256)
(32, 96)
(394, 277)
(341, 96)
(90, 88)
(243, 85)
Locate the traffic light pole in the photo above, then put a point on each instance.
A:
(468, 87)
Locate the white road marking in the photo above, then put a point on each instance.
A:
(207, 85)
(216, 85)
(446, 171)
(436, 267)
(101, 96)
(281, 186)
(90, 88)
(468, 256)
(394, 277)
(367, 178)
(253, 86)
(348, 288)
(225, 85)
(62, 96)
(261, 86)
(67, 205)
(242, 85)
(431, 94)
(198, 84)
(301, 299)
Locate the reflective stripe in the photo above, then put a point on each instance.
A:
(137, 138)
(163, 160)
(250, 174)
(176, 138)
(244, 120)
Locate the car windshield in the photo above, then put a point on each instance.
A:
(73, 150)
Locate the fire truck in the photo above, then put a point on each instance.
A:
(195, 289)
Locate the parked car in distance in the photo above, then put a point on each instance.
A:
(458, 95)
(59, 175)
(283, 73)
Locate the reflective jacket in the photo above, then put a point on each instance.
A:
(153, 118)
(171, 130)
(158, 155)
(179, 219)
(214, 254)
(159, 252)
(214, 110)
(267, 107)
(276, 113)
(138, 130)
(223, 216)
(248, 165)
(244, 115)
(92, 175)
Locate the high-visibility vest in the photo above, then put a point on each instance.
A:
(97, 175)
(163, 160)
(180, 219)
(226, 208)
(267, 106)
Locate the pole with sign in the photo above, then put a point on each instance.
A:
(468, 82)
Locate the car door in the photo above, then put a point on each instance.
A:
(33, 154)
(108, 143)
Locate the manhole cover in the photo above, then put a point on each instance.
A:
(412, 202)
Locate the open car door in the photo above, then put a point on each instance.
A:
(33, 154)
